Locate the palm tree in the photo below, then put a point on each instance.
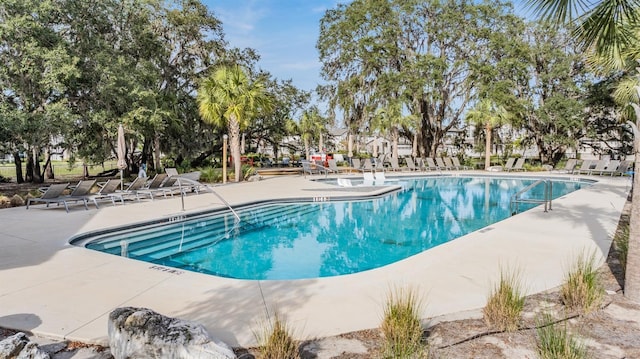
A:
(228, 98)
(489, 115)
(608, 29)
(311, 127)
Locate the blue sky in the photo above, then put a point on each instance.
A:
(284, 33)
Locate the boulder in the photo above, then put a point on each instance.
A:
(142, 333)
(18, 346)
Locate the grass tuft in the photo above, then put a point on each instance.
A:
(276, 340)
(505, 304)
(555, 342)
(401, 326)
(582, 289)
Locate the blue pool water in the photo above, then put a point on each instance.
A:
(309, 240)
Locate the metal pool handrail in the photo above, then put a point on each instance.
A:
(548, 195)
(180, 180)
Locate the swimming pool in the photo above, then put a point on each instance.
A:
(309, 240)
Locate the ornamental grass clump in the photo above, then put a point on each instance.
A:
(582, 290)
(276, 340)
(555, 342)
(401, 325)
(505, 304)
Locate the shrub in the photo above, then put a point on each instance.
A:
(16, 201)
(276, 340)
(210, 175)
(555, 342)
(583, 290)
(505, 303)
(5, 202)
(401, 326)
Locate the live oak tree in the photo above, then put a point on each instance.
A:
(36, 70)
(551, 97)
(420, 53)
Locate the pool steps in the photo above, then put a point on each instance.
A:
(164, 241)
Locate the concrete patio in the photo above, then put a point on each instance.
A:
(62, 291)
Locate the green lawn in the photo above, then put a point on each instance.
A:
(60, 169)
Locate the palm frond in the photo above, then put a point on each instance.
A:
(608, 29)
(558, 11)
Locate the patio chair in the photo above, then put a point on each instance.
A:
(449, 163)
(568, 167)
(599, 167)
(132, 191)
(367, 165)
(585, 167)
(54, 194)
(107, 192)
(519, 165)
(394, 164)
(431, 165)
(154, 186)
(189, 182)
(623, 168)
(509, 165)
(457, 165)
(355, 164)
(411, 165)
(333, 166)
(311, 169)
(378, 163)
(441, 164)
(170, 171)
(612, 167)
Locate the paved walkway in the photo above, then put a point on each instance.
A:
(55, 289)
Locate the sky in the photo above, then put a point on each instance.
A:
(283, 32)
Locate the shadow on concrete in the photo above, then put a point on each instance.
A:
(24, 322)
(236, 324)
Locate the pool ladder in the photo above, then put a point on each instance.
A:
(516, 199)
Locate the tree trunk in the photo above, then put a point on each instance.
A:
(48, 167)
(18, 163)
(306, 149)
(37, 173)
(632, 272)
(156, 149)
(29, 169)
(487, 147)
(394, 138)
(234, 138)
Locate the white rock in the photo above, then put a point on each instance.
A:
(18, 346)
(142, 333)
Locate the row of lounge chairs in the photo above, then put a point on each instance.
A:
(419, 164)
(162, 184)
(599, 167)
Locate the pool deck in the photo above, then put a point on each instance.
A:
(54, 289)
